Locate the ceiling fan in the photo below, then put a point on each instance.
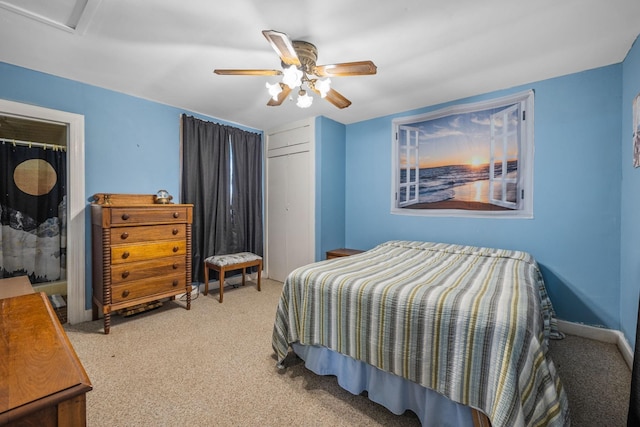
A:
(299, 68)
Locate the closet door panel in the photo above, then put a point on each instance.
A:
(277, 218)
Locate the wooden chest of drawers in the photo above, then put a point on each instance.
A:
(141, 252)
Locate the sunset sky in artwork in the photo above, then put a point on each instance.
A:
(458, 139)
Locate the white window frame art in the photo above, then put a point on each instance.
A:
(405, 191)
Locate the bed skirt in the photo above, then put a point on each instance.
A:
(391, 391)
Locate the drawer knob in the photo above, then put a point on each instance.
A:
(125, 254)
(175, 265)
(125, 216)
(175, 231)
(125, 274)
(176, 249)
(125, 293)
(124, 235)
(176, 214)
(175, 283)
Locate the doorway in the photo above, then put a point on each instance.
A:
(74, 125)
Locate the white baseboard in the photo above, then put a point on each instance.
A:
(599, 334)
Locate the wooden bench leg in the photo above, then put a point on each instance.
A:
(221, 274)
(206, 278)
(259, 273)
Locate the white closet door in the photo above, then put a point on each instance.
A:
(290, 198)
(277, 218)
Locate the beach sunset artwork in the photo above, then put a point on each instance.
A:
(460, 161)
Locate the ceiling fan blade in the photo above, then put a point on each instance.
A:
(334, 97)
(281, 96)
(248, 72)
(360, 68)
(281, 43)
(337, 99)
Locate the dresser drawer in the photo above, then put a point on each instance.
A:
(149, 215)
(147, 287)
(146, 233)
(146, 251)
(130, 271)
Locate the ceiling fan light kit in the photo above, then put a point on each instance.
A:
(274, 90)
(292, 76)
(299, 68)
(323, 86)
(304, 100)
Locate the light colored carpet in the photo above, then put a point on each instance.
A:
(597, 381)
(210, 366)
(213, 366)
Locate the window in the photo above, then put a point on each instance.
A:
(466, 160)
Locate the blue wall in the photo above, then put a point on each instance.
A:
(630, 208)
(131, 145)
(330, 187)
(575, 232)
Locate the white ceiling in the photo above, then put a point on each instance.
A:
(427, 51)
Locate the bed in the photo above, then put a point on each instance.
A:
(441, 322)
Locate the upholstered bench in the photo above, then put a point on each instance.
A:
(230, 262)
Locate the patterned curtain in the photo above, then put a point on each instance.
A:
(33, 212)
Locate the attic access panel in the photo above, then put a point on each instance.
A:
(62, 14)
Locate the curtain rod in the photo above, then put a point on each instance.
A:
(43, 145)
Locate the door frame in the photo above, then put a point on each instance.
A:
(76, 283)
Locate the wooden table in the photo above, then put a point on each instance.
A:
(42, 381)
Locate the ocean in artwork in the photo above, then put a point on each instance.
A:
(467, 183)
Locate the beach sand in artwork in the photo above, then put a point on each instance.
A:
(458, 204)
(472, 196)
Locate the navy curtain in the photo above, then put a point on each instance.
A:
(246, 197)
(222, 178)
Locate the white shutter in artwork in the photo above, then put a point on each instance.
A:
(505, 154)
(409, 166)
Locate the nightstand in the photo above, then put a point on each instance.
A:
(337, 253)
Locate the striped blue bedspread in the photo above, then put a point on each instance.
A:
(471, 323)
